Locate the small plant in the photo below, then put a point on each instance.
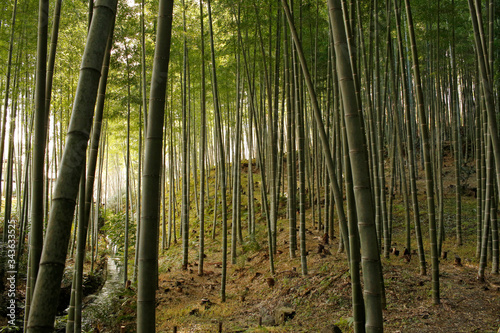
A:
(325, 268)
(251, 246)
(345, 323)
(335, 299)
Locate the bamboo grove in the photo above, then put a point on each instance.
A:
(339, 106)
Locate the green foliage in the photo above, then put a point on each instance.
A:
(114, 228)
(345, 323)
(9, 328)
(325, 268)
(251, 246)
(100, 312)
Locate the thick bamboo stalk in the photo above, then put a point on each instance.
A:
(370, 259)
(43, 310)
(146, 316)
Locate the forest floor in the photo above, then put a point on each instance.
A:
(192, 303)
(321, 298)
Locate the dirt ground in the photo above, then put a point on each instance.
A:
(192, 302)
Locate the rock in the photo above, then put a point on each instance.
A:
(265, 317)
(267, 320)
(283, 314)
(331, 329)
(93, 282)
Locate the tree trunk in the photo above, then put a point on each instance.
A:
(222, 160)
(359, 161)
(203, 144)
(185, 155)
(317, 116)
(36, 233)
(409, 143)
(127, 177)
(6, 105)
(43, 309)
(146, 316)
